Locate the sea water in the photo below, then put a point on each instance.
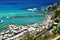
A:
(20, 21)
(19, 8)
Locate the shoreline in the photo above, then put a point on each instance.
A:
(30, 27)
(28, 24)
(14, 30)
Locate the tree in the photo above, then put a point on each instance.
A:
(57, 13)
(56, 30)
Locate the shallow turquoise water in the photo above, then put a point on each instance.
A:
(19, 21)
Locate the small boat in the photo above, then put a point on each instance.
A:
(34, 9)
(30, 9)
(7, 17)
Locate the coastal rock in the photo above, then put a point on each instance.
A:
(1, 21)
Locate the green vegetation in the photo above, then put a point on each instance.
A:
(45, 37)
(56, 30)
(57, 14)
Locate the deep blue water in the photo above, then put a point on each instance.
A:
(18, 7)
(19, 4)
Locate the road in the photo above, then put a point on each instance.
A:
(43, 32)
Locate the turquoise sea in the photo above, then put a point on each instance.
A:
(19, 21)
(19, 8)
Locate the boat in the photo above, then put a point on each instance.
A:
(7, 17)
(30, 9)
(33, 9)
